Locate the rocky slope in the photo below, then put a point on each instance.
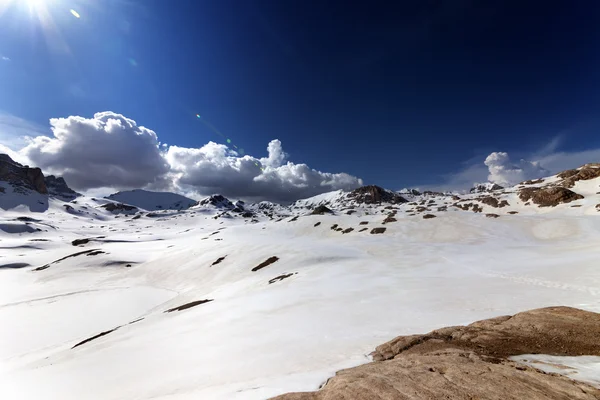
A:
(21, 177)
(472, 362)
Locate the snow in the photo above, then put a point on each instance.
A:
(153, 201)
(347, 293)
(580, 368)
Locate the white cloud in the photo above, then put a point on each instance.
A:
(506, 173)
(108, 150)
(498, 168)
(4, 58)
(112, 151)
(215, 168)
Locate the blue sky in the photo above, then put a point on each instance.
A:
(404, 95)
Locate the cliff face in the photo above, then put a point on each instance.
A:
(22, 176)
(58, 187)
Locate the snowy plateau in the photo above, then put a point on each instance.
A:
(157, 296)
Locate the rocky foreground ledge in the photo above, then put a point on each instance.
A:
(472, 362)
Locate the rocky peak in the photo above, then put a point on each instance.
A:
(217, 200)
(485, 187)
(21, 176)
(374, 194)
(413, 192)
(58, 187)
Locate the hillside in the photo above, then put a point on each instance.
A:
(227, 300)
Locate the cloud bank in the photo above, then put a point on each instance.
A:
(112, 151)
(505, 173)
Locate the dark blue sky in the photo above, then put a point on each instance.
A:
(398, 95)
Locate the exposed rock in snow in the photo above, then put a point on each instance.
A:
(21, 176)
(320, 210)
(485, 187)
(218, 201)
(585, 172)
(120, 207)
(549, 197)
(374, 194)
(466, 362)
(58, 188)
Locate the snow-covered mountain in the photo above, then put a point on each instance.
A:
(27, 188)
(228, 300)
(153, 201)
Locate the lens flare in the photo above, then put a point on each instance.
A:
(75, 13)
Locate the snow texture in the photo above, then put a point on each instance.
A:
(87, 319)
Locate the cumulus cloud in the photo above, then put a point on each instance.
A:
(108, 150)
(498, 168)
(215, 168)
(506, 173)
(113, 151)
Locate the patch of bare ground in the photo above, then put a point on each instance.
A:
(188, 305)
(513, 212)
(492, 215)
(281, 277)
(363, 229)
(317, 224)
(218, 261)
(377, 230)
(43, 267)
(428, 216)
(471, 362)
(265, 263)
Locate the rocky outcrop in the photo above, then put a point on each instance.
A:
(548, 196)
(119, 207)
(320, 210)
(218, 201)
(485, 187)
(583, 173)
(21, 176)
(374, 195)
(493, 202)
(57, 187)
(471, 362)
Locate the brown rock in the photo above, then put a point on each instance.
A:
(470, 362)
(585, 172)
(265, 263)
(374, 194)
(532, 182)
(363, 223)
(492, 215)
(22, 176)
(549, 196)
(320, 210)
(389, 219)
(428, 216)
(513, 212)
(378, 230)
(490, 201)
(347, 230)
